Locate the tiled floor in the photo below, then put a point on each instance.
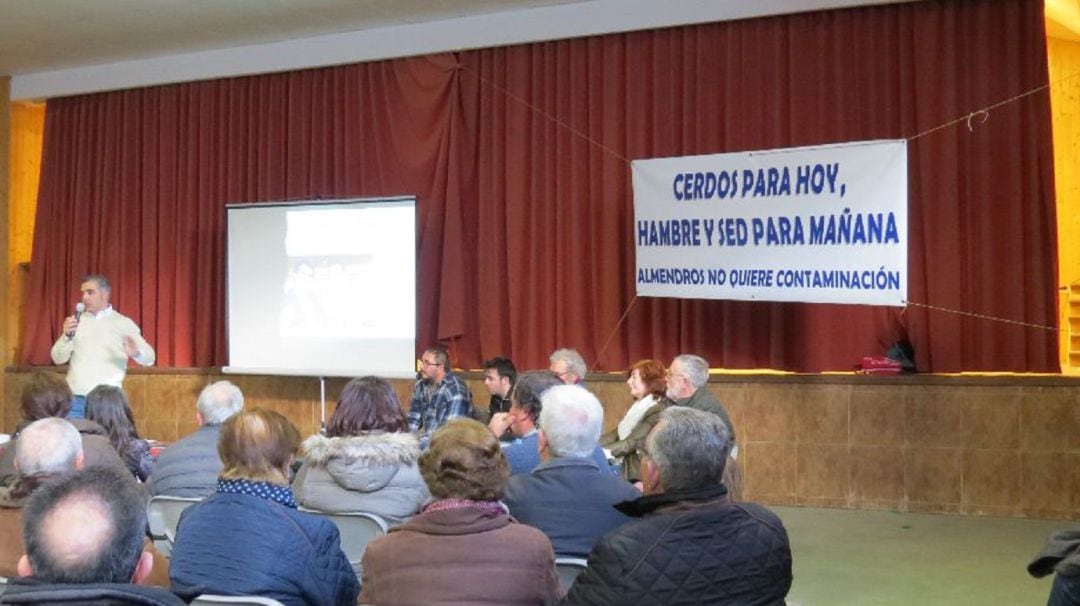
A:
(872, 558)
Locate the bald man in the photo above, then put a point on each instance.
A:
(84, 534)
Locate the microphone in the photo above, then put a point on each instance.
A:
(80, 307)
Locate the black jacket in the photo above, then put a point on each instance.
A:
(28, 591)
(691, 547)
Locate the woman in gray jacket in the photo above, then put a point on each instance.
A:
(367, 459)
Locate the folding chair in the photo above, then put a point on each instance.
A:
(357, 529)
(568, 569)
(208, 599)
(163, 514)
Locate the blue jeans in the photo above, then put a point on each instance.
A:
(1065, 591)
(78, 407)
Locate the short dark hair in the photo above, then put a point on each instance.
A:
(504, 367)
(441, 357)
(68, 557)
(366, 404)
(45, 395)
(102, 281)
(529, 387)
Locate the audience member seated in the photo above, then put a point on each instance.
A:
(46, 395)
(522, 452)
(499, 377)
(47, 448)
(248, 538)
(568, 497)
(190, 467)
(569, 366)
(367, 459)
(688, 385)
(84, 535)
(624, 442)
(463, 548)
(691, 545)
(107, 406)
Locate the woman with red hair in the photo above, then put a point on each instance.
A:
(647, 385)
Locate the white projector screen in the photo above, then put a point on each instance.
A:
(322, 288)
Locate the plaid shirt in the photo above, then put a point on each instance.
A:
(433, 405)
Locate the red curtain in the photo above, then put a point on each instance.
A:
(520, 156)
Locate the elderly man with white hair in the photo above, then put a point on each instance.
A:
(190, 467)
(569, 365)
(688, 385)
(46, 448)
(568, 496)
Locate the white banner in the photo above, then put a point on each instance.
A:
(822, 224)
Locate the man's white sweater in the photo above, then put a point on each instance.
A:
(96, 352)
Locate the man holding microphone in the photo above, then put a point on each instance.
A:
(97, 340)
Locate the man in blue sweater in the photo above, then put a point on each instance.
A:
(569, 496)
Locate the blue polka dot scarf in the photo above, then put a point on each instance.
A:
(272, 492)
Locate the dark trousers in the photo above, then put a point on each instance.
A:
(1065, 591)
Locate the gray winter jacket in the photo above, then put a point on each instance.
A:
(188, 468)
(374, 473)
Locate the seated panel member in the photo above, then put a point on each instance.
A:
(523, 452)
(500, 374)
(569, 366)
(439, 395)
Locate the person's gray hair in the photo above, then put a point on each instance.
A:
(47, 446)
(219, 401)
(690, 447)
(574, 362)
(99, 279)
(571, 419)
(695, 367)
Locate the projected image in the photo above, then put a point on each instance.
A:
(346, 273)
(323, 287)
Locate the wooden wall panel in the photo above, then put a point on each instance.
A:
(980, 446)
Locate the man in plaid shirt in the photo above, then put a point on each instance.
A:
(438, 396)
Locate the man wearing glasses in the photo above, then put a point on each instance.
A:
(687, 385)
(569, 365)
(438, 396)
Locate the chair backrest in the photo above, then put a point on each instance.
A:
(357, 530)
(208, 599)
(163, 514)
(568, 569)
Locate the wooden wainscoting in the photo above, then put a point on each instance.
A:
(1002, 446)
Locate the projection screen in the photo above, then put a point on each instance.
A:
(322, 288)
